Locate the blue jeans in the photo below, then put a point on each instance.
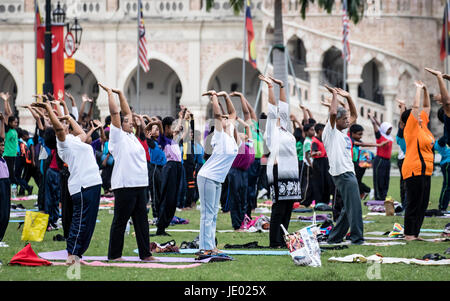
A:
(209, 191)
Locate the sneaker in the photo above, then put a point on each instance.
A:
(371, 194)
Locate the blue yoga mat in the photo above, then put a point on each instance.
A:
(234, 252)
(302, 221)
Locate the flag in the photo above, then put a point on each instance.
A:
(446, 19)
(345, 33)
(39, 30)
(58, 59)
(142, 42)
(250, 35)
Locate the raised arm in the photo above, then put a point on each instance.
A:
(272, 100)
(445, 98)
(281, 85)
(426, 100)
(216, 110)
(247, 128)
(375, 125)
(84, 100)
(416, 104)
(244, 104)
(124, 107)
(59, 129)
(113, 108)
(35, 116)
(230, 107)
(8, 112)
(333, 106)
(305, 114)
(401, 106)
(351, 105)
(2, 127)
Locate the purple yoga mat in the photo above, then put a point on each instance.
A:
(374, 203)
(319, 217)
(62, 255)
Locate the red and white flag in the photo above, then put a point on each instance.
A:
(345, 32)
(143, 61)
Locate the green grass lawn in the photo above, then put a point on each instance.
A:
(243, 268)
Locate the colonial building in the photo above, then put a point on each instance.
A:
(191, 50)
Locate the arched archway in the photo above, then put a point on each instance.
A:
(228, 77)
(371, 88)
(160, 90)
(332, 68)
(8, 84)
(83, 81)
(405, 90)
(297, 53)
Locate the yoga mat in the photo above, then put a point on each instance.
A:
(358, 258)
(62, 255)
(302, 210)
(421, 233)
(133, 265)
(321, 221)
(190, 230)
(237, 252)
(394, 238)
(16, 221)
(377, 244)
(26, 198)
(22, 210)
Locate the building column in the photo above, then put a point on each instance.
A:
(389, 104)
(314, 79)
(28, 84)
(353, 84)
(111, 75)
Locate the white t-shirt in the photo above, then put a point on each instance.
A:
(80, 159)
(130, 162)
(224, 152)
(339, 150)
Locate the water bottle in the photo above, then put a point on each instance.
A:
(127, 229)
(13, 191)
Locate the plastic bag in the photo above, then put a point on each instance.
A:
(303, 246)
(35, 226)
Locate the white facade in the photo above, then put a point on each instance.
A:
(191, 50)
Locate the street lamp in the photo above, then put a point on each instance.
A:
(76, 28)
(59, 15)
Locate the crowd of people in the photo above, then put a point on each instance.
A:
(163, 164)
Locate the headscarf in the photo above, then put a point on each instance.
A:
(384, 127)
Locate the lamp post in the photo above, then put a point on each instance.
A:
(57, 18)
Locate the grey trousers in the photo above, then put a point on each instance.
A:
(351, 214)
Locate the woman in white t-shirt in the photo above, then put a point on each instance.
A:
(129, 180)
(225, 143)
(84, 181)
(282, 164)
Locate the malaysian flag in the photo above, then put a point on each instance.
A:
(142, 42)
(345, 32)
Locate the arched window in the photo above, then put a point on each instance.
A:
(332, 68)
(297, 53)
(370, 88)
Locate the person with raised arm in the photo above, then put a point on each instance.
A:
(399, 138)
(338, 146)
(382, 160)
(282, 165)
(171, 173)
(443, 98)
(129, 180)
(418, 163)
(84, 182)
(5, 184)
(258, 143)
(225, 143)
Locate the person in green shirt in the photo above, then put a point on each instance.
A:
(11, 138)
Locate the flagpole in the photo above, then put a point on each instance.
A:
(446, 40)
(138, 101)
(35, 48)
(244, 48)
(344, 82)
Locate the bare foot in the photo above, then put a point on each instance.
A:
(117, 259)
(151, 258)
(419, 238)
(410, 237)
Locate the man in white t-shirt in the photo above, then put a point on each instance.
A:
(339, 150)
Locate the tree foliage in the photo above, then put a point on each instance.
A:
(355, 7)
